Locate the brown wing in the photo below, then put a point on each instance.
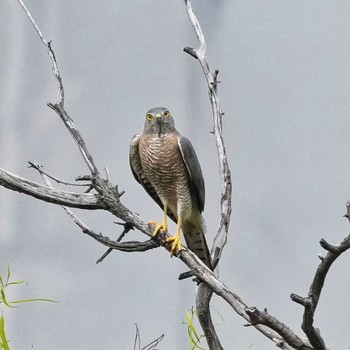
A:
(194, 169)
(137, 171)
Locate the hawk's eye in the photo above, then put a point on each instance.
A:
(166, 114)
(149, 117)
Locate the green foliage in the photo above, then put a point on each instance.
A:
(5, 283)
(194, 338)
(4, 343)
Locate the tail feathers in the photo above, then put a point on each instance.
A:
(196, 242)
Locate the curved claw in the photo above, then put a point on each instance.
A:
(159, 227)
(176, 245)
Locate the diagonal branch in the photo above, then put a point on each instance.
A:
(69, 124)
(268, 325)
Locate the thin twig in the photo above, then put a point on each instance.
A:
(131, 246)
(57, 180)
(137, 338)
(50, 52)
(127, 228)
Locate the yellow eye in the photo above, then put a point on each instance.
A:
(166, 114)
(149, 117)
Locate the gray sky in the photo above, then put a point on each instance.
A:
(285, 90)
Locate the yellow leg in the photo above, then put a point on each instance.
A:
(163, 226)
(176, 239)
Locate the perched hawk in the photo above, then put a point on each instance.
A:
(166, 165)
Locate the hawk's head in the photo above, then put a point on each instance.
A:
(159, 121)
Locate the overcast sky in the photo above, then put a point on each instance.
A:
(285, 73)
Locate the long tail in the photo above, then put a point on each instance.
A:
(195, 239)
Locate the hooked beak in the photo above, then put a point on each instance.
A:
(158, 120)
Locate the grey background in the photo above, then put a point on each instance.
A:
(285, 90)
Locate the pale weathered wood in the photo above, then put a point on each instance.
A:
(16, 183)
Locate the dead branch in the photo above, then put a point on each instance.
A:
(270, 326)
(311, 301)
(51, 54)
(19, 184)
(127, 227)
(131, 246)
(224, 171)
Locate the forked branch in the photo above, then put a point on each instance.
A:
(311, 301)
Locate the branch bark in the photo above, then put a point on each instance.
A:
(16, 183)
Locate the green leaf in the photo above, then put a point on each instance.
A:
(34, 299)
(194, 338)
(3, 340)
(189, 316)
(8, 273)
(3, 297)
(14, 283)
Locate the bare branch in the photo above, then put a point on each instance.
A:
(57, 180)
(268, 325)
(127, 228)
(226, 187)
(16, 183)
(51, 54)
(203, 312)
(203, 293)
(69, 124)
(311, 301)
(59, 106)
(131, 246)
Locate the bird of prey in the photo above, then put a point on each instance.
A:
(166, 165)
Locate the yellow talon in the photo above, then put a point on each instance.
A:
(176, 245)
(176, 239)
(163, 226)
